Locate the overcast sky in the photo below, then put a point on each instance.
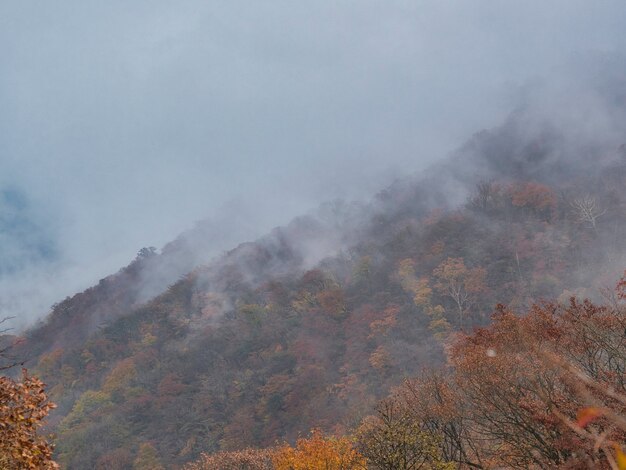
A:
(124, 122)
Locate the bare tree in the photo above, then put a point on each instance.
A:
(485, 196)
(587, 210)
(7, 360)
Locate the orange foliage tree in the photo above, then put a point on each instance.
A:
(319, 453)
(528, 379)
(23, 407)
(534, 197)
(543, 390)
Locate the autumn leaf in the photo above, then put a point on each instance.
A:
(319, 452)
(587, 415)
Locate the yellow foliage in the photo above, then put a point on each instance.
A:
(87, 403)
(380, 358)
(120, 377)
(303, 302)
(422, 292)
(418, 287)
(147, 458)
(382, 325)
(406, 273)
(49, 362)
(620, 458)
(148, 339)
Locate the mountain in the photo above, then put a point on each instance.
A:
(310, 325)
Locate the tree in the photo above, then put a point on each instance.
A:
(380, 359)
(434, 401)
(534, 197)
(331, 300)
(23, 407)
(118, 459)
(319, 453)
(504, 383)
(7, 360)
(524, 381)
(587, 210)
(147, 458)
(246, 459)
(393, 440)
(422, 297)
(487, 197)
(146, 252)
(543, 390)
(460, 283)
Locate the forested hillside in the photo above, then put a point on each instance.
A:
(313, 324)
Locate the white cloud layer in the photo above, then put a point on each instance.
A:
(122, 122)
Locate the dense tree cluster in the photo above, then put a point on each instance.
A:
(541, 390)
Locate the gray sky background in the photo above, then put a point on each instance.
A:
(123, 122)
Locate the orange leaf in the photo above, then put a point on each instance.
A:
(587, 415)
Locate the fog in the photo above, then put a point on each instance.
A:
(122, 124)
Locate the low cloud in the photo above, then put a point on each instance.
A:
(125, 124)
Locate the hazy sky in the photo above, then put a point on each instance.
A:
(123, 122)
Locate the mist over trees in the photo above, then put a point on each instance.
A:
(405, 243)
(294, 342)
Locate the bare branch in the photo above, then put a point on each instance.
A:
(587, 210)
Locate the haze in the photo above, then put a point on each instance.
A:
(124, 123)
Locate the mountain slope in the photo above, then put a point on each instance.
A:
(311, 324)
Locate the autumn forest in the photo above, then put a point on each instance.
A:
(471, 317)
